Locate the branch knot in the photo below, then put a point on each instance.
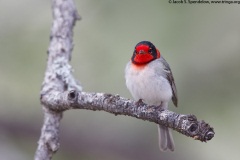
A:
(73, 96)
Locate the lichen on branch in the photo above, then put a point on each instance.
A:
(115, 104)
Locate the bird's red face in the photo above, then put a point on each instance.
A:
(144, 53)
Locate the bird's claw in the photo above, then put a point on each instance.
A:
(139, 102)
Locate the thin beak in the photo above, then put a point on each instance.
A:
(141, 52)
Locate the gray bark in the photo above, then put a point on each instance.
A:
(58, 76)
(60, 91)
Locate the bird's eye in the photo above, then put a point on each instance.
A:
(150, 50)
(135, 51)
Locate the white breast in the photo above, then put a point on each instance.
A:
(148, 83)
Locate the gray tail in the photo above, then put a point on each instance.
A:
(165, 138)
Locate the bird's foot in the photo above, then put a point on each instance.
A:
(139, 102)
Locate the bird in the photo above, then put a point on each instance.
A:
(149, 79)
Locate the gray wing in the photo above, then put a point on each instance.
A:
(170, 78)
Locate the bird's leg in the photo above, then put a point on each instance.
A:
(139, 102)
(163, 106)
(160, 105)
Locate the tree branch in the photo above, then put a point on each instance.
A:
(58, 76)
(60, 91)
(185, 124)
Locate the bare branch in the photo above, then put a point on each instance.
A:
(185, 124)
(49, 140)
(58, 75)
(60, 91)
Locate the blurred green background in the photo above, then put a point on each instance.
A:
(201, 43)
